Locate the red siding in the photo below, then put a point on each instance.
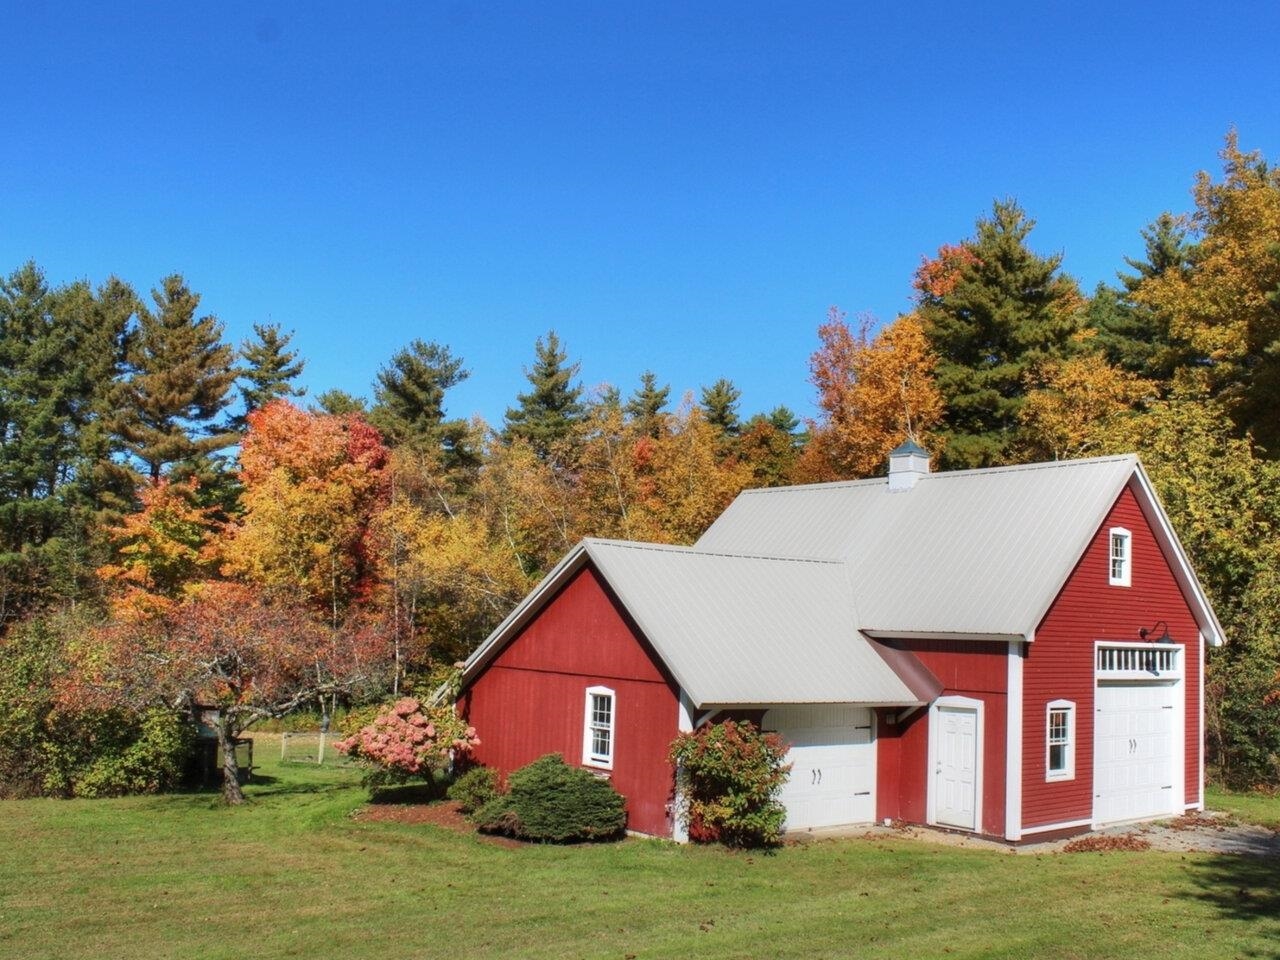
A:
(965, 668)
(530, 700)
(1059, 664)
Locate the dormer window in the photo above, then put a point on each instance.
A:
(1121, 556)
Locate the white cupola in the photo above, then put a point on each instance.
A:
(907, 464)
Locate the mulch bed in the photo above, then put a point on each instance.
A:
(441, 814)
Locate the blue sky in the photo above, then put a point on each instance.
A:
(680, 187)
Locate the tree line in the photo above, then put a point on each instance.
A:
(178, 523)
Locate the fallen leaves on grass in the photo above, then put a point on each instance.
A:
(1194, 820)
(1099, 843)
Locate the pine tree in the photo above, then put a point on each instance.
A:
(646, 404)
(409, 404)
(59, 352)
(720, 403)
(180, 378)
(551, 411)
(1002, 310)
(1134, 336)
(339, 403)
(270, 369)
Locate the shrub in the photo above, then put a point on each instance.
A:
(729, 775)
(151, 763)
(69, 746)
(474, 789)
(550, 801)
(406, 741)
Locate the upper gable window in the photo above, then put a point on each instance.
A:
(597, 728)
(1121, 557)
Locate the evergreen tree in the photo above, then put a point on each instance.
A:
(783, 420)
(59, 351)
(720, 403)
(1132, 335)
(1003, 310)
(409, 404)
(646, 404)
(552, 409)
(340, 403)
(180, 378)
(270, 369)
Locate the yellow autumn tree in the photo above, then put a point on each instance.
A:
(874, 391)
(682, 482)
(1072, 404)
(1227, 304)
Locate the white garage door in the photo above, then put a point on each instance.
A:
(833, 764)
(1133, 766)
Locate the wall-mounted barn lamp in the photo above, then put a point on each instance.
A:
(1163, 638)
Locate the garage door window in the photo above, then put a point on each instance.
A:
(1060, 741)
(597, 733)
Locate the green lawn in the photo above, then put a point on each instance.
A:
(1246, 807)
(292, 874)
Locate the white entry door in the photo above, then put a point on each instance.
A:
(955, 768)
(833, 764)
(1133, 744)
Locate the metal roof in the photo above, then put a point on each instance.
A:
(967, 552)
(776, 601)
(734, 629)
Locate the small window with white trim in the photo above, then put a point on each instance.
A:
(1121, 557)
(597, 733)
(1060, 741)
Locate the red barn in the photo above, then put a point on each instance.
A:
(1014, 651)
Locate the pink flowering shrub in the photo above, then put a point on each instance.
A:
(406, 741)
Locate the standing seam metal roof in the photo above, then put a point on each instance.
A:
(772, 603)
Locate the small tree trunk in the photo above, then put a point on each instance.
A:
(231, 791)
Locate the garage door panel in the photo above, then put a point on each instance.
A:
(1133, 751)
(832, 757)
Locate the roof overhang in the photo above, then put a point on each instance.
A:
(942, 635)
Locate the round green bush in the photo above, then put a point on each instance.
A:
(474, 789)
(550, 801)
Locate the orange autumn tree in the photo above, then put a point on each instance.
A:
(874, 391)
(168, 543)
(313, 483)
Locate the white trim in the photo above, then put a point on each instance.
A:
(955, 703)
(589, 757)
(1140, 668)
(1125, 577)
(1179, 735)
(1068, 772)
(1013, 744)
(1050, 827)
(684, 724)
(1200, 750)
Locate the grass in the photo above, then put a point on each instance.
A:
(1260, 808)
(292, 874)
